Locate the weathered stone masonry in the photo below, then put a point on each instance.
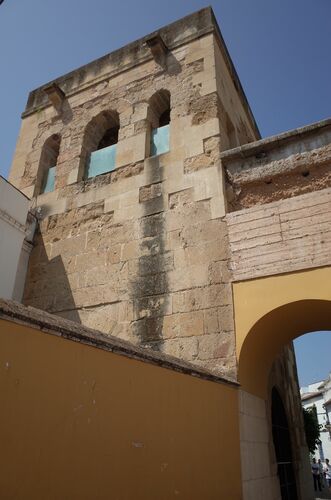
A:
(279, 221)
(153, 251)
(143, 252)
(140, 252)
(280, 196)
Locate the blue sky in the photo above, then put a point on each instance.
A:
(313, 353)
(281, 50)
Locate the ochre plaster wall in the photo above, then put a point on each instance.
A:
(78, 422)
(270, 313)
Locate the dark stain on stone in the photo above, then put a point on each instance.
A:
(150, 288)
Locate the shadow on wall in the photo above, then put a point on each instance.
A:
(48, 285)
(173, 65)
(150, 288)
(66, 112)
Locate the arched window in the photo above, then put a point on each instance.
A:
(99, 145)
(47, 166)
(159, 118)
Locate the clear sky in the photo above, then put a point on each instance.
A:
(281, 50)
(313, 353)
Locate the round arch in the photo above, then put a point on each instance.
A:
(159, 104)
(101, 131)
(271, 332)
(48, 160)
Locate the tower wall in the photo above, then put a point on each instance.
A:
(154, 250)
(140, 252)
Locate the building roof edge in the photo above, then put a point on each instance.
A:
(274, 141)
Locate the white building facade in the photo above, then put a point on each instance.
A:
(16, 223)
(318, 395)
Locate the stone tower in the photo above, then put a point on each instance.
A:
(121, 159)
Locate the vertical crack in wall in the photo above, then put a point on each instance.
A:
(150, 287)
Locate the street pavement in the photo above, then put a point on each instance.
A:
(321, 495)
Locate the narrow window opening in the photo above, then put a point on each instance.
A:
(48, 162)
(159, 117)
(164, 118)
(100, 142)
(109, 139)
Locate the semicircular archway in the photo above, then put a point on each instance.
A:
(271, 332)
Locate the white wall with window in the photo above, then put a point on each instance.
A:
(14, 207)
(318, 395)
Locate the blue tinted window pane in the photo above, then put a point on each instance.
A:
(102, 161)
(160, 140)
(49, 183)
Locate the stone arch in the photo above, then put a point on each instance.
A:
(269, 314)
(47, 165)
(101, 132)
(273, 331)
(159, 108)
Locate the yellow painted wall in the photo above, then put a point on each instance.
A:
(78, 422)
(271, 312)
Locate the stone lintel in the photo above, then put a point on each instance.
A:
(54, 325)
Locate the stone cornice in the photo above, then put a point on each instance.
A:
(174, 35)
(123, 59)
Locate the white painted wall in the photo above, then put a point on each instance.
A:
(321, 392)
(21, 271)
(13, 214)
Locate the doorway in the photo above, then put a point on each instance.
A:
(283, 450)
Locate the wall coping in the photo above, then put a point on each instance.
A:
(69, 330)
(274, 141)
